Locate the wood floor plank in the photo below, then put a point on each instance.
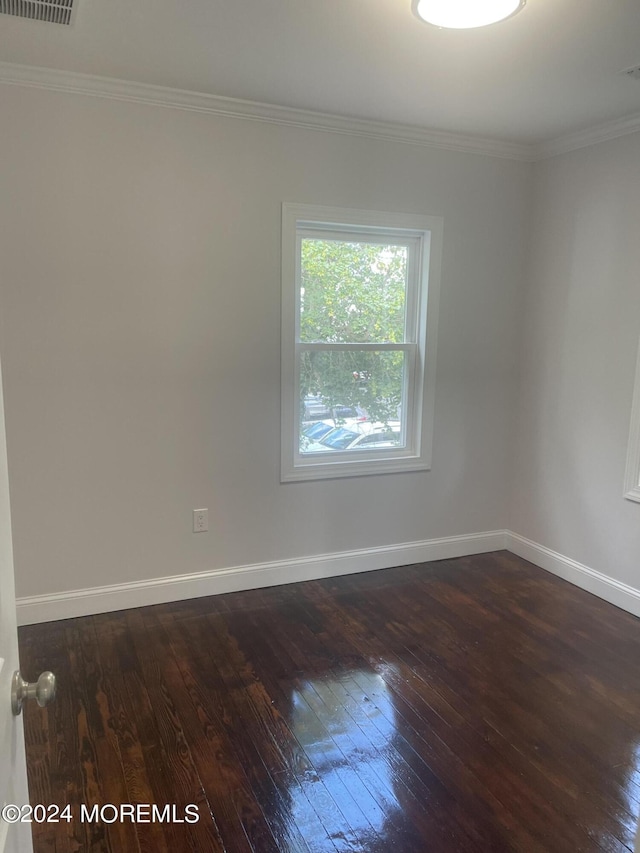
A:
(227, 692)
(385, 669)
(103, 768)
(157, 761)
(296, 688)
(238, 815)
(389, 639)
(534, 789)
(173, 769)
(309, 794)
(534, 683)
(477, 705)
(438, 822)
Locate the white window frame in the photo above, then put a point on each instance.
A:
(424, 233)
(632, 471)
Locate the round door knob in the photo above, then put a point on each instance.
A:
(43, 690)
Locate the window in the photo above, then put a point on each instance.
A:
(359, 317)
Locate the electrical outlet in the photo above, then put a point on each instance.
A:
(200, 520)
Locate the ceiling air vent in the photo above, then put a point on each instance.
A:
(52, 11)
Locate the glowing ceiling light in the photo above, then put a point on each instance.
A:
(465, 14)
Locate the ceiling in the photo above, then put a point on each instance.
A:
(551, 70)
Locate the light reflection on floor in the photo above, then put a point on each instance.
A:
(346, 738)
(633, 789)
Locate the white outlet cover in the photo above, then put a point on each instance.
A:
(200, 520)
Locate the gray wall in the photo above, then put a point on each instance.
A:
(140, 338)
(580, 338)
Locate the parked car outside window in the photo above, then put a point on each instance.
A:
(315, 409)
(317, 430)
(377, 436)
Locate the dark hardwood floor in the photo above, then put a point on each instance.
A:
(477, 704)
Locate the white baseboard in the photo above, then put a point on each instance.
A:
(104, 599)
(122, 596)
(611, 590)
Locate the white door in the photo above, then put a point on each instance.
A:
(14, 837)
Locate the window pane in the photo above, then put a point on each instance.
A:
(352, 292)
(361, 395)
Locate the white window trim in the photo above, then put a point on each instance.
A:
(632, 472)
(416, 456)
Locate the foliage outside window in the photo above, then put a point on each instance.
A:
(359, 322)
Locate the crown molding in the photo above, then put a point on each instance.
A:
(145, 93)
(589, 136)
(181, 99)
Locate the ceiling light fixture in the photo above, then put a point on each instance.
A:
(465, 14)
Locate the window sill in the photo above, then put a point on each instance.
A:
(323, 470)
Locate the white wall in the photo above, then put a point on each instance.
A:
(140, 338)
(580, 338)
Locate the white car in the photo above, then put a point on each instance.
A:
(337, 439)
(341, 438)
(381, 435)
